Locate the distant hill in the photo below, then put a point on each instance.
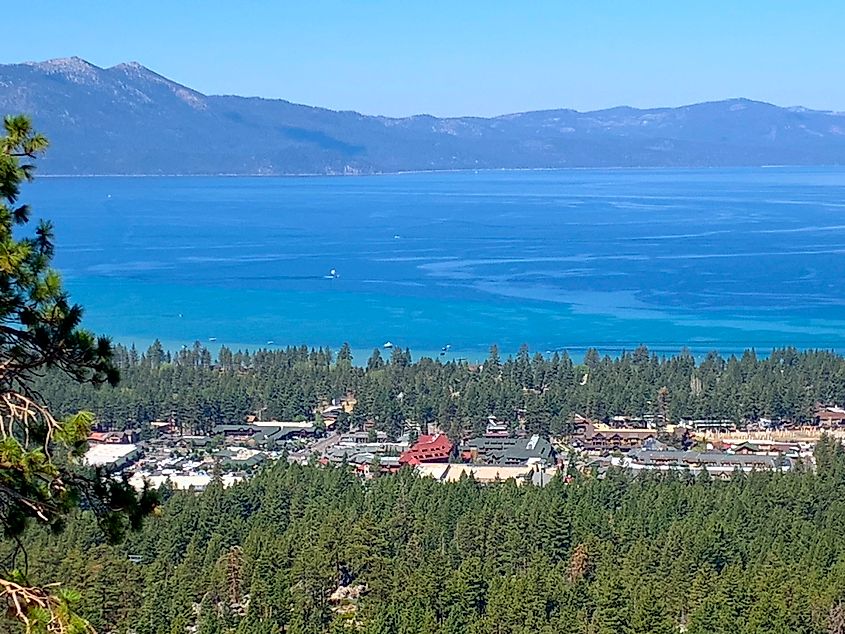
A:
(129, 120)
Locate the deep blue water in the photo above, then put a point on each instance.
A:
(708, 259)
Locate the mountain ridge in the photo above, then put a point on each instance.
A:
(128, 119)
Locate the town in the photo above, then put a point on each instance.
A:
(160, 454)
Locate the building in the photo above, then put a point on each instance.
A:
(378, 465)
(239, 458)
(496, 428)
(196, 481)
(716, 463)
(195, 442)
(603, 438)
(124, 437)
(111, 456)
(329, 415)
(363, 437)
(164, 426)
(487, 474)
(710, 425)
(360, 448)
(829, 416)
(508, 451)
(264, 434)
(436, 448)
(764, 447)
(302, 425)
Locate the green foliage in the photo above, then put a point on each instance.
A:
(41, 478)
(398, 395)
(761, 553)
(641, 555)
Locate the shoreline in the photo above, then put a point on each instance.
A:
(576, 353)
(461, 170)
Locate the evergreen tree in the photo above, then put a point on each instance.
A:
(41, 478)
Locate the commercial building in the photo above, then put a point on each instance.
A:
(829, 416)
(264, 434)
(716, 463)
(239, 458)
(363, 448)
(604, 438)
(196, 481)
(111, 457)
(508, 451)
(488, 474)
(428, 448)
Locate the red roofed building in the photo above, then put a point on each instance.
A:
(428, 448)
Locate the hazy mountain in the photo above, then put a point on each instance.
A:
(129, 120)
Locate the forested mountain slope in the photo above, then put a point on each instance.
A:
(759, 554)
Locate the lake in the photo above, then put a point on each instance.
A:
(707, 259)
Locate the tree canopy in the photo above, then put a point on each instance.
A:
(308, 550)
(41, 475)
(541, 392)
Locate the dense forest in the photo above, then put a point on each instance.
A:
(759, 554)
(199, 391)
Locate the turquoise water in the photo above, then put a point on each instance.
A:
(707, 259)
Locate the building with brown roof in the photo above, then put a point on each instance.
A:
(592, 437)
(604, 438)
(829, 416)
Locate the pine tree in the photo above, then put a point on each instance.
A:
(41, 479)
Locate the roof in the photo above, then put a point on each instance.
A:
(363, 435)
(652, 444)
(106, 436)
(623, 432)
(512, 451)
(704, 459)
(435, 470)
(244, 429)
(428, 449)
(764, 446)
(266, 432)
(833, 413)
(198, 481)
(290, 424)
(102, 455)
(485, 473)
(240, 457)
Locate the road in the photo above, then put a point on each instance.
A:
(317, 448)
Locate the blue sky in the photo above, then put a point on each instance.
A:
(459, 57)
